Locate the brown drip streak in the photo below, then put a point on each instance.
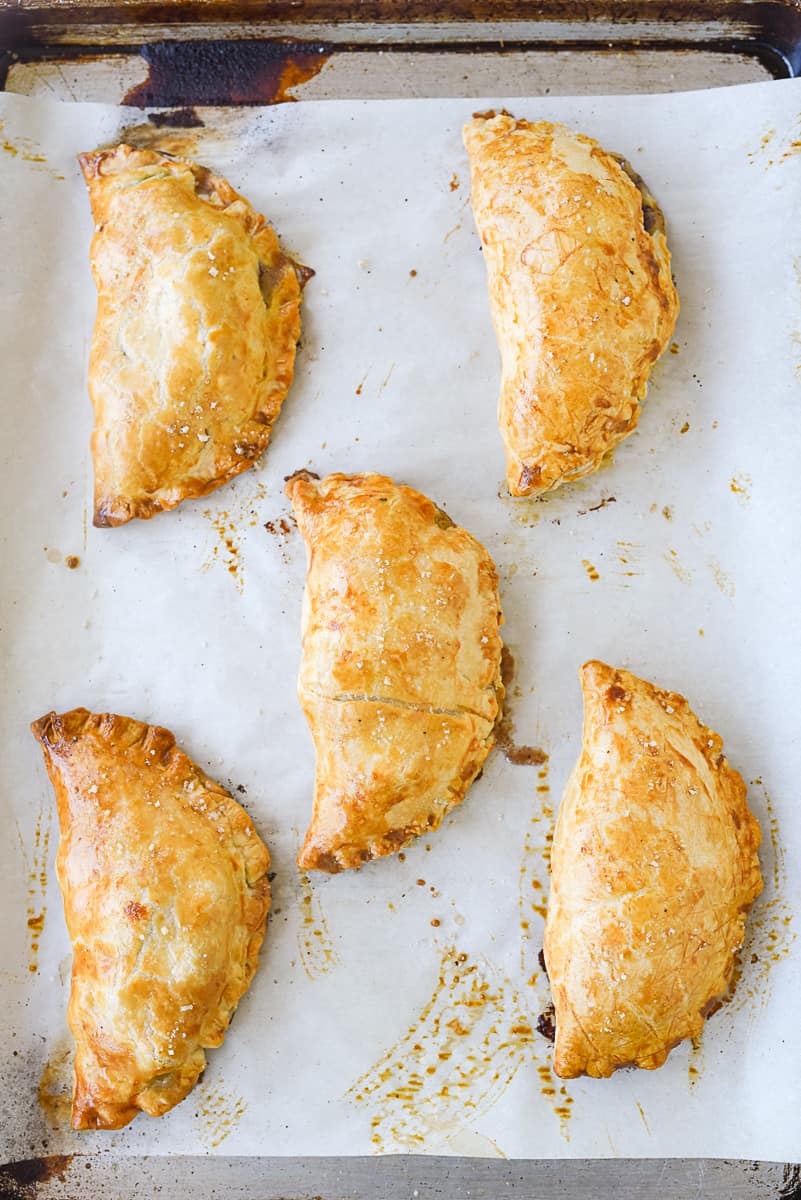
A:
(527, 756)
(226, 550)
(455, 1061)
(218, 1113)
(557, 1096)
(13, 150)
(23, 148)
(36, 868)
(532, 900)
(604, 502)
(314, 941)
(532, 891)
(695, 1065)
(769, 932)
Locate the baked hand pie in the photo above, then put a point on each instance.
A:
(166, 896)
(654, 868)
(400, 675)
(580, 289)
(198, 314)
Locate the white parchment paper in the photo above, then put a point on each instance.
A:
(393, 1009)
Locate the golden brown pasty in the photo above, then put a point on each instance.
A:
(198, 313)
(654, 868)
(166, 896)
(400, 674)
(580, 291)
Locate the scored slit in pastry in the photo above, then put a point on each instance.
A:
(166, 897)
(654, 868)
(400, 676)
(580, 290)
(198, 315)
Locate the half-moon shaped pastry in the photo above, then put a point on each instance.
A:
(654, 868)
(166, 896)
(580, 291)
(400, 676)
(198, 314)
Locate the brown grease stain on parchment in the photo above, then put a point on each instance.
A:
(761, 153)
(628, 556)
(769, 931)
(249, 516)
(682, 573)
(533, 885)
(740, 485)
(774, 148)
(217, 1113)
(282, 528)
(581, 499)
(460, 1055)
(453, 1064)
(723, 582)
(314, 941)
(230, 524)
(27, 150)
(556, 1093)
(36, 872)
(226, 550)
(795, 336)
(695, 1064)
(523, 510)
(514, 752)
(56, 1083)
(534, 868)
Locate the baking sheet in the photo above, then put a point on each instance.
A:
(394, 1008)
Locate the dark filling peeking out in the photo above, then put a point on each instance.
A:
(652, 218)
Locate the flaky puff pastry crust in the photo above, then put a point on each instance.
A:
(193, 352)
(400, 673)
(166, 897)
(580, 290)
(654, 867)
